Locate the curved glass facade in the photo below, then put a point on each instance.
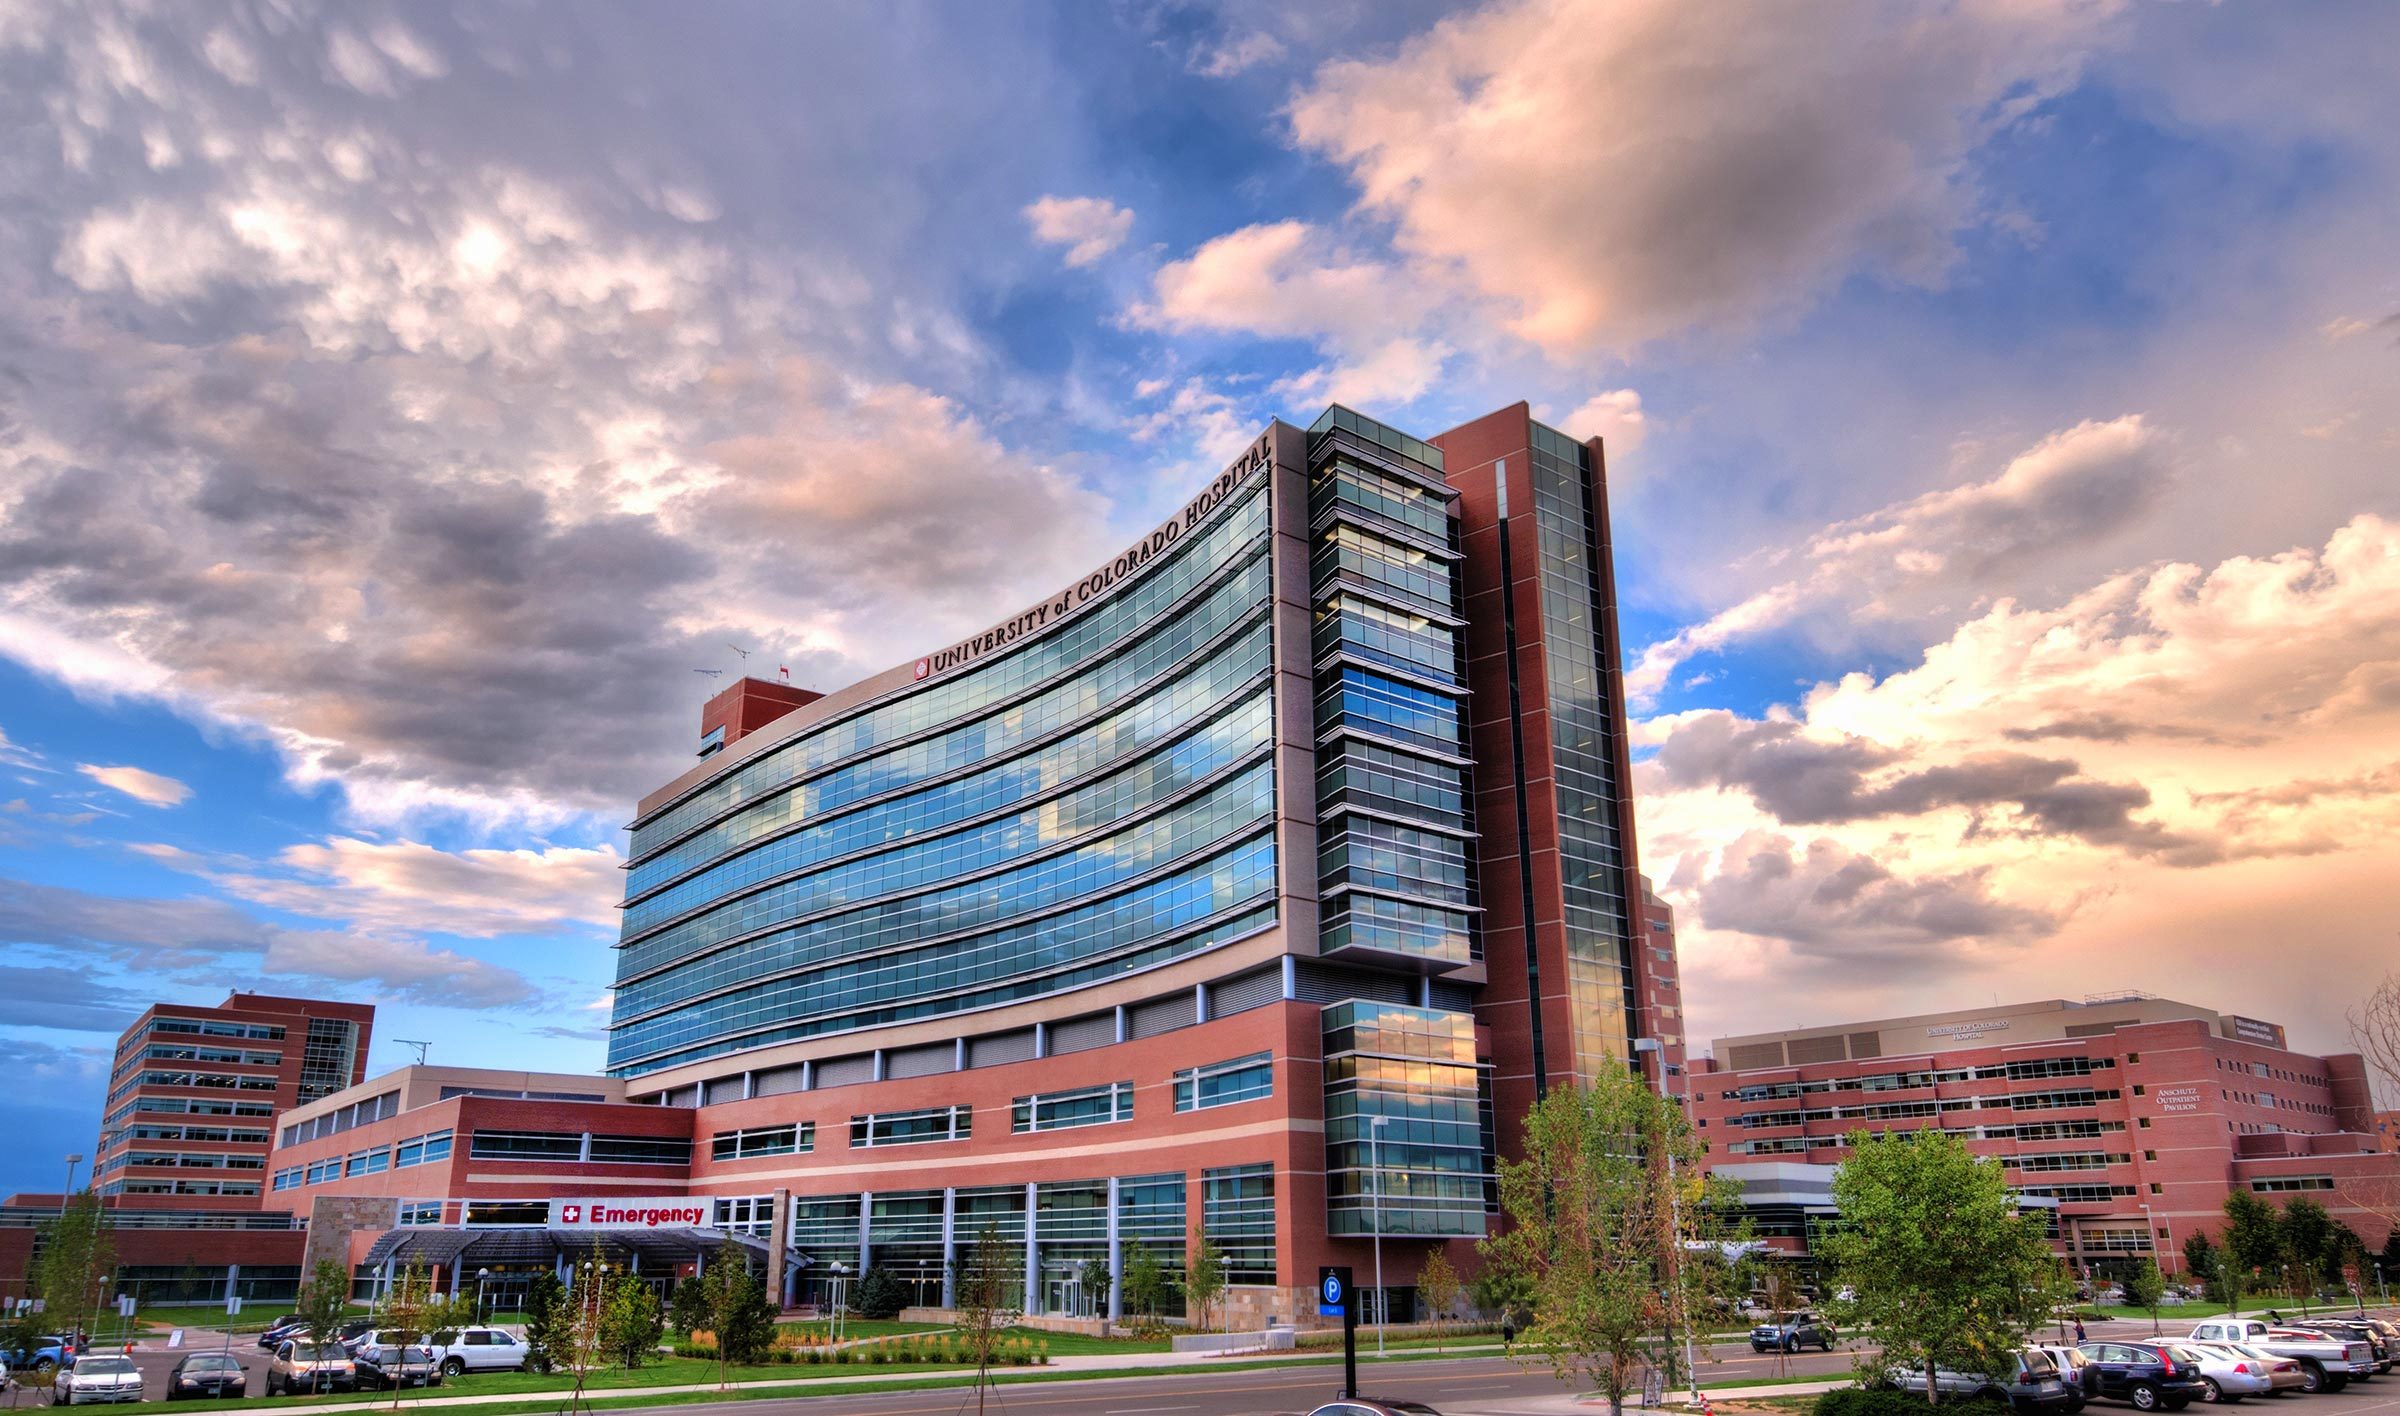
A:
(1096, 800)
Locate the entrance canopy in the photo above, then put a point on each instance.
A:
(658, 1249)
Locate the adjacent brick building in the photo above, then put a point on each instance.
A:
(2130, 1117)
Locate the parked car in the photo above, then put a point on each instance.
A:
(2070, 1362)
(1793, 1333)
(350, 1332)
(385, 1361)
(2326, 1361)
(207, 1374)
(96, 1377)
(2033, 1383)
(478, 1349)
(2283, 1373)
(1364, 1407)
(278, 1332)
(2224, 1375)
(41, 1358)
(2147, 1375)
(307, 1365)
(2352, 1330)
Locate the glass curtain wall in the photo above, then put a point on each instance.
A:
(1591, 855)
(1415, 1069)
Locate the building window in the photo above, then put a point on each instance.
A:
(369, 1162)
(420, 1211)
(1224, 1083)
(640, 1150)
(2276, 1183)
(1237, 1213)
(797, 1139)
(422, 1150)
(525, 1145)
(908, 1128)
(1059, 1111)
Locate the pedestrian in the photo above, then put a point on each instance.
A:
(2079, 1328)
(1508, 1330)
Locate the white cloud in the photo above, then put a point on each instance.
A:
(1615, 417)
(410, 886)
(1089, 227)
(2076, 488)
(1283, 279)
(2180, 754)
(148, 788)
(1732, 163)
(1393, 374)
(1236, 54)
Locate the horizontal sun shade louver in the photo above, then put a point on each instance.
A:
(1079, 1034)
(845, 1071)
(999, 1048)
(921, 1061)
(1160, 1016)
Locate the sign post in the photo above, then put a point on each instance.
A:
(1334, 1295)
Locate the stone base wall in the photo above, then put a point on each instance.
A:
(334, 1219)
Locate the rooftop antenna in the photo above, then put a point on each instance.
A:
(738, 649)
(419, 1046)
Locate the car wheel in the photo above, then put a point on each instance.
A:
(2143, 1396)
(44, 1366)
(2312, 1378)
(2210, 1391)
(453, 1367)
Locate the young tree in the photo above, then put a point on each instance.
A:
(78, 1252)
(880, 1294)
(631, 1323)
(2312, 1241)
(1204, 1281)
(2146, 1288)
(1940, 1260)
(580, 1341)
(1146, 1282)
(548, 1315)
(688, 1306)
(981, 1285)
(1096, 1282)
(1597, 1230)
(411, 1311)
(1507, 1296)
(729, 1301)
(1437, 1284)
(323, 1302)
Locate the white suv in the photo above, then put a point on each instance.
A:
(477, 1349)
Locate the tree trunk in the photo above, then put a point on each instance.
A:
(1933, 1386)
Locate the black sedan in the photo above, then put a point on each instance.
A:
(207, 1374)
(2147, 1375)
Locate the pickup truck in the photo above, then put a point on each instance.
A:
(2327, 1363)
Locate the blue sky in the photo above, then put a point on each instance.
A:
(399, 404)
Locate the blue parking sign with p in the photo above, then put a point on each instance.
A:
(1333, 1291)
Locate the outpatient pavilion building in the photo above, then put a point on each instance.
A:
(1245, 890)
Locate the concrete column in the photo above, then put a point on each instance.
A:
(1116, 1258)
(779, 1243)
(958, 1061)
(455, 1266)
(1041, 1039)
(950, 1246)
(1121, 1022)
(1033, 1255)
(866, 1207)
(808, 1075)
(880, 1074)
(1291, 977)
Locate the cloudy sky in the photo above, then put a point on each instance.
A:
(398, 403)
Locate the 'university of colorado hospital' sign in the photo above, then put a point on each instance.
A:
(1106, 578)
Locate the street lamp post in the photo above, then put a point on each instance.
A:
(1691, 1370)
(1375, 1154)
(482, 1276)
(73, 1160)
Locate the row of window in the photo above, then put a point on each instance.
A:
(1906, 1110)
(185, 1106)
(197, 1133)
(2276, 1183)
(2076, 1130)
(183, 1187)
(358, 1113)
(416, 1150)
(908, 1128)
(579, 1147)
(197, 1027)
(209, 1081)
(799, 1138)
(2023, 1069)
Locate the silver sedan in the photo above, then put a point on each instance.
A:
(2227, 1374)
